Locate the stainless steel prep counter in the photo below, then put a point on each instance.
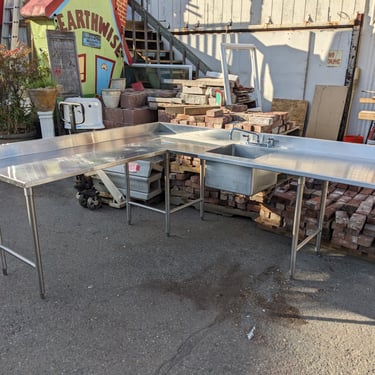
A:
(33, 163)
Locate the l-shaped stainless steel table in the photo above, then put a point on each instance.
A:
(34, 163)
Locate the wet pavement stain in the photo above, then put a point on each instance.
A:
(231, 291)
(228, 288)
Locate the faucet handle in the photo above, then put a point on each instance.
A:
(247, 136)
(270, 142)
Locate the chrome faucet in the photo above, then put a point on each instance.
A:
(261, 139)
(248, 132)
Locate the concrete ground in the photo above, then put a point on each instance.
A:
(213, 298)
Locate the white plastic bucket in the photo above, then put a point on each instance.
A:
(111, 97)
(118, 83)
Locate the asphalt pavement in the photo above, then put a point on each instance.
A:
(214, 297)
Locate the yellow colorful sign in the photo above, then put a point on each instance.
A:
(101, 54)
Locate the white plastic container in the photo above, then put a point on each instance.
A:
(118, 83)
(111, 97)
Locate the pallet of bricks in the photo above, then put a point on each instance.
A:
(349, 218)
(227, 118)
(185, 185)
(199, 106)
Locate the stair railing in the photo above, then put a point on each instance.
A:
(174, 43)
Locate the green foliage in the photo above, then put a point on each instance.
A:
(16, 112)
(18, 72)
(40, 74)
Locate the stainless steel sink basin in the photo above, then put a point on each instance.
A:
(224, 174)
(242, 151)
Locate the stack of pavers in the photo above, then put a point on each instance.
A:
(133, 108)
(349, 219)
(226, 118)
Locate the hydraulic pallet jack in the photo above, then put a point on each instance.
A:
(79, 114)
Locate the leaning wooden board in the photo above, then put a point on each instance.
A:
(326, 112)
(297, 110)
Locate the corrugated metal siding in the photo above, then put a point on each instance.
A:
(366, 64)
(243, 13)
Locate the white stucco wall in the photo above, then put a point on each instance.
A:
(290, 61)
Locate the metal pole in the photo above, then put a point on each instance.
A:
(167, 192)
(201, 189)
(296, 223)
(128, 205)
(30, 204)
(321, 216)
(3, 258)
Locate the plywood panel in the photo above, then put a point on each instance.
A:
(326, 112)
(297, 109)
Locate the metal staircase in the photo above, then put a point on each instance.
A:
(147, 39)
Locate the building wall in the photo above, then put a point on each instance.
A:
(244, 13)
(293, 40)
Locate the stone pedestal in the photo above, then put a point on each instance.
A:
(46, 124)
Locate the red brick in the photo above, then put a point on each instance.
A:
(350, 193)
(365, 241)
(357, 222)
(367, 191)
(115, 115)
(367, 250)
(133, 99)
(364, 208)
(239, 108)
(164, 116)
(339, 227)
(211, 200)
(344, 243)
(215, 113)
(369, 230)
(338, 234)
(351, 206)
(108, 124)
(313, 203)
(182, 176)
(330, 210)
(195, 178)
(342, 217)
(139, 116)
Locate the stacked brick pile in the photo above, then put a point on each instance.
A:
(222, 118)
(210, 90)
(133, 108)
(185, 182)
(349, 219)
(184, 179)
(214, 118)
(264, 122)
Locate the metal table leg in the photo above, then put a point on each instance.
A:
(297, 218)
(128, 199)
(3, 258)
(30, 204)
(321, 216)
(167, 194)
(296, 224)
(201, 188)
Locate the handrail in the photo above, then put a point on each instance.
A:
(172, 40)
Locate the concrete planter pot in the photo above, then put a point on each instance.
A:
(44, 99)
